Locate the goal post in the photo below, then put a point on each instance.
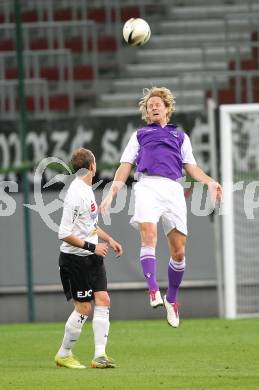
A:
(239, 167)
(213, 123)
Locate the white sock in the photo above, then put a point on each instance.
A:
(101, 327)
(73, 329)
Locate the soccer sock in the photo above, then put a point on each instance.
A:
(73, 329)
(148, 264)
(175, 276)
(101, 325)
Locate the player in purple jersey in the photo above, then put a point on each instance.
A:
(160, 152)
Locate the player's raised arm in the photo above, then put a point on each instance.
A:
(119, 180)
(127, 161)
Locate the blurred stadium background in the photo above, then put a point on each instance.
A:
(81, 88)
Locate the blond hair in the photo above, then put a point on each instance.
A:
(162, 92)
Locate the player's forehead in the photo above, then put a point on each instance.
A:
(154, 100)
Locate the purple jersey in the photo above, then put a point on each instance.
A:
(160, 151)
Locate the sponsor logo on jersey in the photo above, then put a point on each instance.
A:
(93, 206)
(93, 209)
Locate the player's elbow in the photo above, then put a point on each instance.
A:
(62, 235)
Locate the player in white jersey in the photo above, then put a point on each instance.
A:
(81, 265)
(160, 152)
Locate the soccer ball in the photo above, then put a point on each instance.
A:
(136, 31)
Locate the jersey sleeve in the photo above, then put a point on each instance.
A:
(186, 151)
(69, 216)
(131, 151)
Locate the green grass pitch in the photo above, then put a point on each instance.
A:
(200, 355)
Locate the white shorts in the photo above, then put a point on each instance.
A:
(157, 197)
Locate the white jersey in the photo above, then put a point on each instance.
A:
(131, 151)
(80, 217)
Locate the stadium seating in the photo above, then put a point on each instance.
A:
(189, 46)
(191, 42)
(39, 100)
(49, 10)
(91, 32)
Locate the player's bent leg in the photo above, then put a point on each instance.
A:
(148, 233)
(73, 328)
(83, 308)
(101, 326)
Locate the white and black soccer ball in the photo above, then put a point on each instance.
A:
(136, 32)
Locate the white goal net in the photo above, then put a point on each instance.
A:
(239, 166)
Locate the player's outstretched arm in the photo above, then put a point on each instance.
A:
(110, 241)
(119, 180)
(198, 174)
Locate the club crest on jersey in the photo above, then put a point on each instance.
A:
(93, 207)
(174, 133)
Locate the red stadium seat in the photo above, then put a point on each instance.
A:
(30, 16)
(75, 44)
(247, 64)
(96, 14)
(256, 94)
(128, 12)
(7, 44)
(255, 53)
(83, 72)
(51, 73)
(107, 43)
(233, 82)
(63, 14)
(11, 74)
(255, 81)
(39, 44)
(29, 104)
(254, 36)
(59, 103)
(2, 18)
(56, 103)
(226, 96)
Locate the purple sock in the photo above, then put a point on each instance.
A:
(175, 276)
(148, 264)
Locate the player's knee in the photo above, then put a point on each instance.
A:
(102, 299)
(149, 239)
(84, 308)
(179, 254)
